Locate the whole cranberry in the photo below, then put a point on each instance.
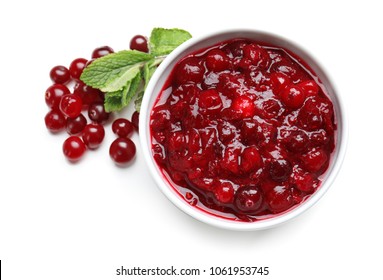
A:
(97, 113)
(54, 121)
(59, 74)
(139, 43)
(73, 148)
(54, 93)
(122, 127)
(71, 105)
(122, 151)
(93, 135)
(76, 67)
(102, 51)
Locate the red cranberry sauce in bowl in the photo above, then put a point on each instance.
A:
(243, 130)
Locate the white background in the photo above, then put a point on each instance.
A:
(83, 221)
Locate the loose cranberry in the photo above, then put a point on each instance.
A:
(135, 119)
(224, 192)
(93, 135)
(75, 125)
(280, 170)
(139, 43)
(249, 200)
(73, 148)
(279, 198)
(97, 113)
(60, 74)
(76, 67)
(71, 105)
(217, 60)
(122, 127)
(189, 70)
(102, 51)
(122, 150)
(54, 93)
(54, 121)
(293, 97)
(88, 94)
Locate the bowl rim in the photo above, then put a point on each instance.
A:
(169, 192)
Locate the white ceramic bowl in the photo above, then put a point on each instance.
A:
(154, 88)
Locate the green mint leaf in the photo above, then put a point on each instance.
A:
(113, 102)
(112, 72)
(138, 101)
(130, 92)
(163, 41)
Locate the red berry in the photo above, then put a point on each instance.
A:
(315, 160)
(248, 199)
(269, 108)
(280, 170)
(102, 51)
(75, 125)
(251, 159)
(244, 105)
(122, 150)
(93, 135)
(293, 97)
(88, 94)
(296, 140)
(257, 55)
(71, 105)
(224, 192)
(279, 198)
(135, 119)
(279, 81)
(54, 121)
(217, 60)
(209, 102)
(310, 87)
(73, 148)
(76, 67)
(54, 93)
(122, 127)
(97, 113)
(190, 70)
(304, 181)
(139, 43)
(59, 74)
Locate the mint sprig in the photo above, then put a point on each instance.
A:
(123, 76)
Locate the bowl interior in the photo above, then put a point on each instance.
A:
(156, 84)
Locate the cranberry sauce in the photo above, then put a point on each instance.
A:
(243, 130)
